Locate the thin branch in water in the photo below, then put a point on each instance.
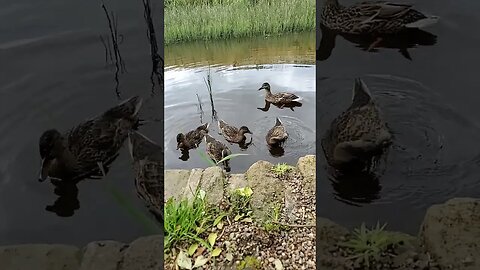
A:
(200, 108)
(208, 83)
(156, 59)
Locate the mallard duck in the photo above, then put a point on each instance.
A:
(147, 159)
(358, 135)
(84, 150)
(280, 99)
(217, 151)
(192, 138)
(277, 134)
(231, 133)
(369, 17)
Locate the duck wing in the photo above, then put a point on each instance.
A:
(228, 131)
(285, 97)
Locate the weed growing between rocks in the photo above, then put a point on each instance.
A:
(281, 169)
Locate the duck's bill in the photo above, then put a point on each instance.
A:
(261, 88)
(44, 170)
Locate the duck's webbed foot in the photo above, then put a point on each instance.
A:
(375, 44)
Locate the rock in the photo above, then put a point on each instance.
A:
(175, 183)
(104, 255)
(145, 253)
(236, 181)
(268, 191)
(451, 231)
(39, 257)
(307, 167)
(328, 234)
(213, 181)
(192, 183)
(278, 264)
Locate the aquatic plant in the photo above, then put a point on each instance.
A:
(222, 19)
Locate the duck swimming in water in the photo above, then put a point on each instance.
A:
(231, 133)
(280, 99)
(87, 148)
(147, 159)
(358, 135)
(217, 151)
(191, 139)
(276, 135)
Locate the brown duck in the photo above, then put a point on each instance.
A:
(86, 149)
(231, 133)
(277, 134)
(191, 139)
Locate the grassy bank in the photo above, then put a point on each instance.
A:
(187, 20)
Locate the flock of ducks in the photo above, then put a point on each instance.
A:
(87, 150)
(218, 151)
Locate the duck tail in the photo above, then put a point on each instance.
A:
(278, 122)
(298, 99)
(423, 22)
(127, 109)
(361, 94)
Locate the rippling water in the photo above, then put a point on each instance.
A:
(236, 99)
(429, 101)
(54, 75)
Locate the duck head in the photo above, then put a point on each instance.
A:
(180, 140)
(51, 147)
(265, 86)
(244, 129)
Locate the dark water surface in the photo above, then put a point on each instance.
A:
(237, 69)
(53, 74)
(431, 104)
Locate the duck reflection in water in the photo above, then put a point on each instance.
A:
(356, 188)
(67, 202)
(290, 105)
(191, 140)
(403, 40)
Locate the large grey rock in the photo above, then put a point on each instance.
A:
(328, 234)
(175, 183)
(213, 182)
(236, 181)
(268, 191)
(145, 253)
(451, 233)
(105, 255)
(307, 167)
(39, 257)
(192, 183)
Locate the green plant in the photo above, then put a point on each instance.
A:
(272, 223)
(186, 219)
(367, 245)
(240, 202)
(281, 169)
(249, 263)
(213, 163)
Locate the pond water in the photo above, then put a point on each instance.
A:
(237, 69)
(54, 75)
(426, 84)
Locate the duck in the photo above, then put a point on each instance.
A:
(88, 148)
(192, 139)
(277, 134)
(373, 17)
(217, 151)
(280, 99)
(147, 157)
(358, 134)
(231, 133)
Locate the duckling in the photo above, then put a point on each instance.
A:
(369, 17)
(277, 134)
(84, 150)
(231, 133)
(217, 151)
(358, 135)
(280, 99)
(193, 138)
(147, 159)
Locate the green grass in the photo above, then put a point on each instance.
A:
(185, 220)
(281, 169)
(367, 245)
(187, 20)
